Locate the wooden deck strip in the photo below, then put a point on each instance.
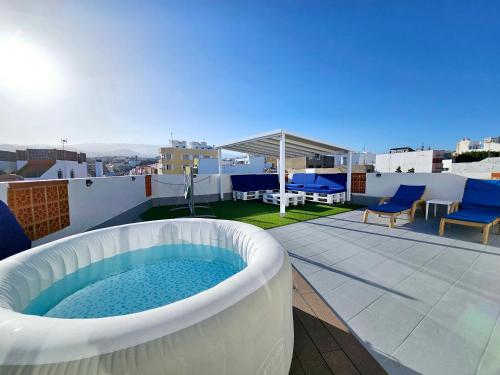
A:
(323, 343)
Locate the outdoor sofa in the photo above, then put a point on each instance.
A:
(480, 207)
(254, 186)
(406, 201)
(322, 188)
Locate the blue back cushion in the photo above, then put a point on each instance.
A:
(12, 237)
(481, 193)
(303, 178)
(334, 180)
(246, 182)
(267, 181)
(407, 194)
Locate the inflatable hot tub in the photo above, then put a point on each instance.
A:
(242, 324)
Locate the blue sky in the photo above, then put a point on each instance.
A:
(374, 74)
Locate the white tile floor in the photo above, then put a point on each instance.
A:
(422, 304)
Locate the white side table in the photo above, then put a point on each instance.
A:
(435, 202)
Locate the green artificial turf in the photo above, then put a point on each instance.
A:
(253, 212)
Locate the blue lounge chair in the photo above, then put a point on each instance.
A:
(480, 207)
(406, 201)
(12, 237)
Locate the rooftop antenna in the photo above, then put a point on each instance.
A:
(171, 138)
(63, 141)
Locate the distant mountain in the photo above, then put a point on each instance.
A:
(97, 149)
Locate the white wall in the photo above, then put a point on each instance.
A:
(20, 164)
(483, 168)
(438, 185)
(172, 185)
(211, 166)
(3, 192)
(79, 168)
(360, 158)
(92, 205)
(420, 160)
(109, 197)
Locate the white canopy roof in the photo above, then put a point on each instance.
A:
(268, 144)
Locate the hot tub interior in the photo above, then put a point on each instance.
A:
(136, 281)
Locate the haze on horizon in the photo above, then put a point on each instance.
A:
(362, 74)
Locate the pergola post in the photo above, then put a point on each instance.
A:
(221, 185)
(349, 175)
(282, 163)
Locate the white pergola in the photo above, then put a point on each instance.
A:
(282, 144)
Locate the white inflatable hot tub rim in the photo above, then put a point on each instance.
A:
(31, 339)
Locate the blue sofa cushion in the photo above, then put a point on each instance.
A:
(389, 207)
(303, 178)
(478, 215)
(323, 191)
(407, 194)
(253, 182)
(315, 186)
(337, 180)
(12, 237)
(319, 183)
(481, 193)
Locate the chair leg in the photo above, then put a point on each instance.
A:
(412, 216)
(442, 225)
(486, 234)
(391, 221)
(365, 216)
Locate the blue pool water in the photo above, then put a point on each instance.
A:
(137, 281)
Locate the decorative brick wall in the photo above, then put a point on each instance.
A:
(41, 207)
(358, 183)
(147, 181)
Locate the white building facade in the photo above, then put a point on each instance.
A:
(426, 161)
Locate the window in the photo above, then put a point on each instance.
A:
(186, 157)
(168, 167)
(72, 173)
(59, 174)
(167, 156)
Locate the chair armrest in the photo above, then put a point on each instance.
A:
(454, 207)
(416, 203)
(383, 200)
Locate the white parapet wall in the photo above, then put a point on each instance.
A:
(104, 199)
(116, 200)
(438, 185)
(477, 169)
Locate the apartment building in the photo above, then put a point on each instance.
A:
(424, 161)
(487, 144)
(180, 154)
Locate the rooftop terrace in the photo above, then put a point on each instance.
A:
(419, 303)
(368, 299)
